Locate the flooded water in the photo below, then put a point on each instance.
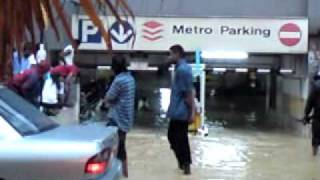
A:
(243, 147)
(225, 155)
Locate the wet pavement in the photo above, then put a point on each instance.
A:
(224, 155)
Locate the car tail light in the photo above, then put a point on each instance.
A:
(95, 167)
(98, 163)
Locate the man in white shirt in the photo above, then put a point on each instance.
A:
(41, 53)
(32, 60)
(68, 53)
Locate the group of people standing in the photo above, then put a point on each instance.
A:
(43, 82)
(120, 101)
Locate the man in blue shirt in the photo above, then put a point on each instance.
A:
(120, 98)
(24, 64)
(16, 62)
(181, 109)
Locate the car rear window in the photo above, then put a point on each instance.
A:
(18, 122)
(28, 117)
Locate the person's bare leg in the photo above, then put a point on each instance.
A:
(314, 150)
(125, 168)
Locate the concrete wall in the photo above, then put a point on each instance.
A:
(51, 41)
(298, 63)
(314, 16)
(289, 104)
(291, 94)
(254, 61)
(294, 87)
(233, 8)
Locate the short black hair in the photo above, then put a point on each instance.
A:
(27, 46)
(38, 46)
(77, 41)
(119, 64)
(178, 49)
(316, 76)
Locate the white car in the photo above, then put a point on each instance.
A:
(34, 147)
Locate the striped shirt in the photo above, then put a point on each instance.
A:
(121, 97)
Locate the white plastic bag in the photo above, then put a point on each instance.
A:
(49, 91)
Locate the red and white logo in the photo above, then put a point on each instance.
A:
(290, 34)
(152, 30)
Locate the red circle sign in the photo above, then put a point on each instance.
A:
(290, 34)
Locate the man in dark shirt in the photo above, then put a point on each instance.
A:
(181, 109)
(313, 105)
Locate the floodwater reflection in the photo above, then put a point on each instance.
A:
(225, 155)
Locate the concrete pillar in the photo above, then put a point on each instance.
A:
(292, 91)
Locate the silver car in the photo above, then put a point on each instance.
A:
(34, 147)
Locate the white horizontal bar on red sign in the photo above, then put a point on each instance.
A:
(290, 35)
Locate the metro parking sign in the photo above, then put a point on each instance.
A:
(87, 32)
(252, 35)
(120, 33)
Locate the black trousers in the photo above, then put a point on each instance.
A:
(316, 132)
(179, 141)
(122, 152)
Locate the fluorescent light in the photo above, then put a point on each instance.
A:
(104, 67)
(153, 68)
(219, 69)
(172, 67)
(263, 70)
(224, 55)
(198, 66)
(286, 71)
(241, 70)
(143, 69)
(130, 68)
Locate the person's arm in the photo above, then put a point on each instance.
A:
(186, 84)
(67, 51)
(310, 103)
(191, 105)
(113, 93)
(69, 78)
(28, 84)
(71, 72)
